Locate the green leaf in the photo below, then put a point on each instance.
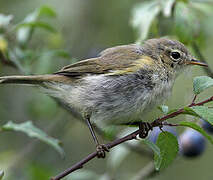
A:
(201, 83)
(168, 145)
(46, 11)
(152, 146)
(24, 34)
(1, 174)
(38, 24)
(197, 128)
(204, 112)
(5, 20)
(189, 111)
(32, 131)
(167, 6)
(25, 28)
(143, 16)
(164, 109)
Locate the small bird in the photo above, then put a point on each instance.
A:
(119, 85)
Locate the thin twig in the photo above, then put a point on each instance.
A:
(157, 122)
(180, 111)
(194, 99)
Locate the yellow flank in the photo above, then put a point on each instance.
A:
(138, 64)
(144, 61)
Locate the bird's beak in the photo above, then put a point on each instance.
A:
(196, 62)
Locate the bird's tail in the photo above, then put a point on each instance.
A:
(34, 79)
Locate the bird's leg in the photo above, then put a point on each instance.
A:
(161, 126)
(100, 148)
(144, 128)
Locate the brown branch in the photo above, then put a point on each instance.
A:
(94, 154)
(180, 111)
(155, 123)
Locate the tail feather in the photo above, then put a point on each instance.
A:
(34, 79)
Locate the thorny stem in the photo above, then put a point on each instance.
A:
(131, 136)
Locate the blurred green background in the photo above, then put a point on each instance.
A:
(84, 28)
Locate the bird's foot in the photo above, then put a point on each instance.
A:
(144, 128)
(161, 127)
(101, 150)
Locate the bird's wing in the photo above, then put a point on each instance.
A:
(115, 60)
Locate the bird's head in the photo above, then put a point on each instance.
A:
(171, 53)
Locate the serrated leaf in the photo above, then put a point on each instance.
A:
(32, 131)
(201, 83)
(168, 146)
(197, 128)
(1, 174)
(5, 20)
(167, 6)
(152, 146)
(204, 112)
(143, 16)
(164, 109)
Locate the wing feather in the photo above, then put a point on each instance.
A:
(111, 59)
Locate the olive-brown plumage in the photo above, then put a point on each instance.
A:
(120, 84)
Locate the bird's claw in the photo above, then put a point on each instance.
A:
(144, 128)
(101, 149)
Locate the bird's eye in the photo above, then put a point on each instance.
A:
(175, 55)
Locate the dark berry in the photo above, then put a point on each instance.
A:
(207, 126)
(191, 143)
(153, 135)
